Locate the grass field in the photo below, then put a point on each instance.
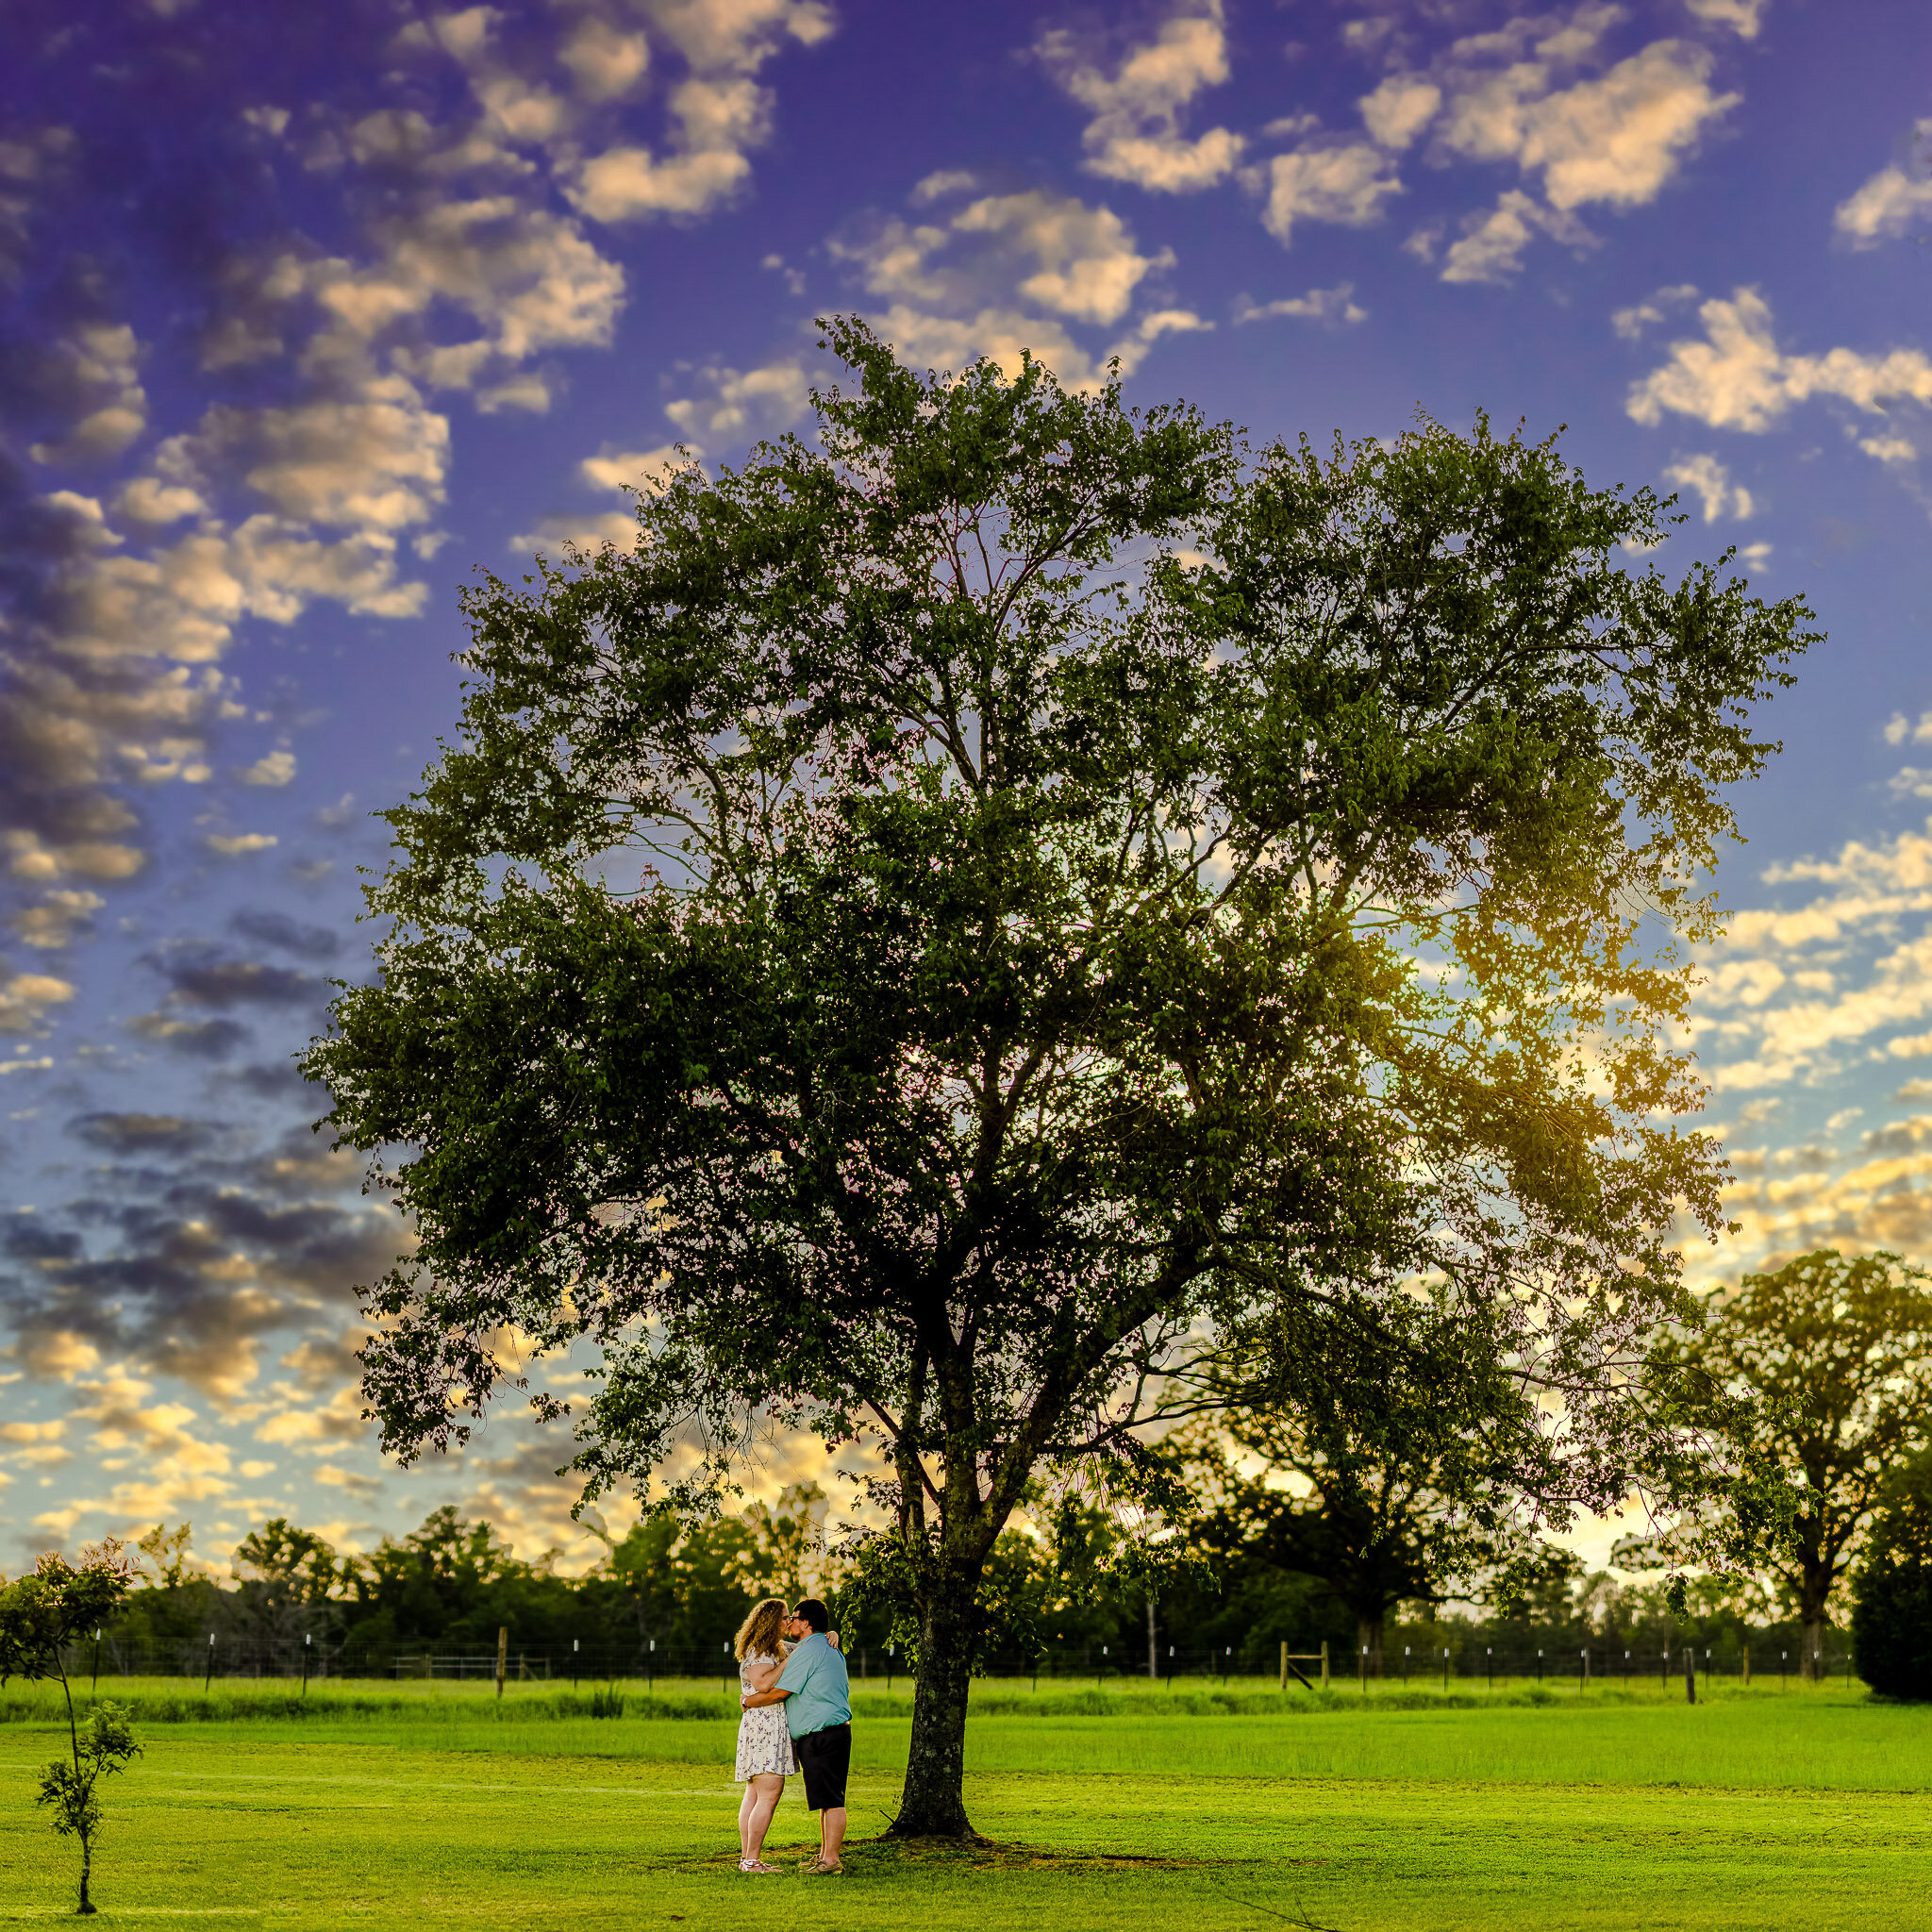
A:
(428, 1807)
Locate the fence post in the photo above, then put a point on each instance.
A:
(304, 1664)
(1284, 1663)
(573, 1663)
(1690, 1673)
(1747, 1667)
(502, 1657)
(1446, 1668)
(1324, 1663)
(209, 1677)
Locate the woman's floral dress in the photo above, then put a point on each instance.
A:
(764, 1743)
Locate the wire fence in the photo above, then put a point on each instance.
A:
(218, 1655)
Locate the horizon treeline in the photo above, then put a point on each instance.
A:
(669, 1594)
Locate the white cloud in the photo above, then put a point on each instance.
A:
(717, 115)
(1002, 334)
(1131, 350)
(1737, 378)
(1890, 449)
(1615, 139)
(25, 998)
(97, 366)
(638, 469)
(1491, 245)
(240, 844)
(1711, 482)
(376, 463)
(1898, 727)
(530, 278)
(1399, 108)
(937, 186)
(1055, 250)
(272, 768)
(1743, 16)
(1346, 183)
(1887, 206)
(745, 401)
(36, 863)
(1087, 265)
(1135, 132)
(625, 183)
(149, 500)
(617, 527)
(53, 919)
(606, 63)
(1336, 305)
(1630, 323)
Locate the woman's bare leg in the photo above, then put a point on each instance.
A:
(744, 1810)
(762, 1795)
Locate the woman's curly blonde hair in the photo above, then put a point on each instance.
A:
(760, 1633)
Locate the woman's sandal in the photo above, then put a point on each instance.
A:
(756, 1867)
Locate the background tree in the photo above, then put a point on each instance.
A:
(289, 1580)
(927, 944)
(1892, 1603)
(1345, 1465)
(1822, 1368)
(40, 1616)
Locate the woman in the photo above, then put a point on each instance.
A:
(766, 1758)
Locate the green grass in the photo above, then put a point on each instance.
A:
(432, 1808)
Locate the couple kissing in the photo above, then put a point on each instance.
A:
(797, 1716)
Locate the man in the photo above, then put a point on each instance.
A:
(815, 1693)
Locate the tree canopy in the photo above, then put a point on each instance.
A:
(1821, 1369)
(979, 918)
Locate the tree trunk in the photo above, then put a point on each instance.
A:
(1367, 1636)
(1811, 1658)
(1814, 1592)
(933, 1802)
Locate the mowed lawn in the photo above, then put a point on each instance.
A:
(1808, 1810)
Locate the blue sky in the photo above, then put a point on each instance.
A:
(308, 312)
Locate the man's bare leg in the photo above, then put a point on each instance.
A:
(831, 1834)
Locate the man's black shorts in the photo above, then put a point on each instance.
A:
(824, 1758)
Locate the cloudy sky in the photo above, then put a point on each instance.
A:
(311, 311)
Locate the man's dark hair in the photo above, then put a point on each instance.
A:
(815, 1613)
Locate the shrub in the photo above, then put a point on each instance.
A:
(1891, 1611)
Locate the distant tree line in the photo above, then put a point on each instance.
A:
(1308, 1527)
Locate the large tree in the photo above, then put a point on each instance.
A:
(1821, 1369)
(975, 913)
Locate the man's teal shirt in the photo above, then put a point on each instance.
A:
(815, 1675)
